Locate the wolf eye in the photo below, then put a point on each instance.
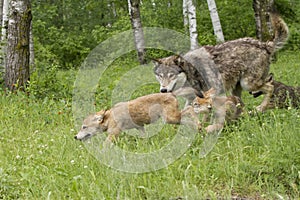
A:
(171, 76)
(84, 127)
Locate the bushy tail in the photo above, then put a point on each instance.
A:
(281, 31)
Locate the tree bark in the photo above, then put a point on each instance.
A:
(262, 9)
(185, 15)
(4, 20)
(215, 20)
(31, 49)
(137, 29)
(192, 24)
(1, 10)
(17, 56)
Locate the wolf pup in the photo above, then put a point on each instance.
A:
(228, 67)
(135, 114)
(283, 96)
(229, 107)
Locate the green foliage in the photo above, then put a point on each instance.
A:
(50, 82)
(66, 31)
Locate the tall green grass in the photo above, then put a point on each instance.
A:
(258, 157)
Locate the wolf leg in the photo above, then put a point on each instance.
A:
(268, 89)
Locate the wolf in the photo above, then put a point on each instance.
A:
(284, 96)
(229, 67)
(136, 113)
(229, 108)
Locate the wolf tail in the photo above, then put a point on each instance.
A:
(281, 31)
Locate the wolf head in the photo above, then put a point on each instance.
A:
(204, 104)
(168, 73)
(92, 125)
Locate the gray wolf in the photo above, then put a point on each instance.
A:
(136, 113)
(228, 67)
(283, 96)
(229, 108)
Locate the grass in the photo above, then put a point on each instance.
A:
(258, 157)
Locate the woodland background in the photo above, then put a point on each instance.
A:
(258, 157)
(65, 31)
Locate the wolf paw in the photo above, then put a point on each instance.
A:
(213, 128)
(199, 126)
(260, 108)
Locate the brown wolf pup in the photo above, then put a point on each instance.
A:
(283, 96)
(229, 107)
(135, 114)
(228, 67)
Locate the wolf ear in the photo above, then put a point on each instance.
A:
(100, 116)
(179, 60)
(210, 93)
(199, 94)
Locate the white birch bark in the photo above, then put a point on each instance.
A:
(262, 9)
(4, 19)
(129, 7)
(192, 24)
(185, 14)
(4, 22)
(137, 29)
(215, 20)
(256, 8)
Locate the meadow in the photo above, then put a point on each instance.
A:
(257, 157)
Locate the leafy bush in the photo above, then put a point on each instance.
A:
(52, 83)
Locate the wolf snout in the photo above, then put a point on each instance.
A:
(78, 137)
(163, 90)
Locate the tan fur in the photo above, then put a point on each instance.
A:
(134, 114)
(229, 107)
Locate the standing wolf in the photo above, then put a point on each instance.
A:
(228, 67)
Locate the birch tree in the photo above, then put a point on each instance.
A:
(185, 14)
(17, 56)
(215, 20)
(262, 9)
(189, 15)
(134, 11)
(1, 11)
(4, 19)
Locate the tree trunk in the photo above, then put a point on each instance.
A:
(1, 11)
(192, 24)
(262, 9)
(215, 20)
(17, 56)
(185, 15)
(31, 49)
(137, 29)
(4, 20)
(2, 44)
